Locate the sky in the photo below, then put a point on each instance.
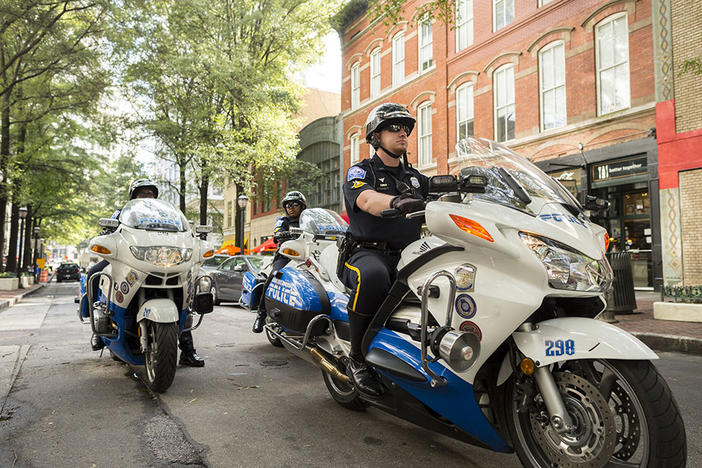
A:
(327, 74)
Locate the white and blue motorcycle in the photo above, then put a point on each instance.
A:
(149, 288)
(488, 335)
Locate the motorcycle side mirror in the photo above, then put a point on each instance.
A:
(443, 184)
(593, 203)
(203, 228)
(473, 183)
(108, 222)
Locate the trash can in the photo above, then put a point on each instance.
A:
(621, 298)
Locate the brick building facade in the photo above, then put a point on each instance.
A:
(569, 84)
(679, 123)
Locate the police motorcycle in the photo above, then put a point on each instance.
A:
(489, 335)
(149, 287)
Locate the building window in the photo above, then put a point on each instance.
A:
(502, 13)
(464, 111)
(552, 86)
(426, 51)
(612, 56)
(354, 149)
(464, 24)
(398, 59)
(375, 73)
(503, 83)
(229, 214)
(355, 85)
(424, 134)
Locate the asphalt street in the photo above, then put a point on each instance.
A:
(251, 405)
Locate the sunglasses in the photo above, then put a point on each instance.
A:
(293, 204)
(394, 128)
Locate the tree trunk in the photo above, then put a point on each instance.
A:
(204, 188)
(28, 227)
(4, 158)
(12, 247)
(182, 166)
(239, 219)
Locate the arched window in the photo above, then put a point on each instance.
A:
(464, 24)
(355, 85)
(552, 89)
(424, 134)
(375, 73)
(464, 111)
(612, 60)
(354, 149)
(503, 90)
(398, 59)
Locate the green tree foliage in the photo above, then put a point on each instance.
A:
(218, 79)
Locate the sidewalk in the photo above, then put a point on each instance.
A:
(8, 298)
(661, 335)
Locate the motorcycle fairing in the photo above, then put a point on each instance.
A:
(455, 401)
(251, 286)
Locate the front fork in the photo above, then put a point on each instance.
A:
(558, 415)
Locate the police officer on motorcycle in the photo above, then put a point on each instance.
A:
(385, 181)
(294, 204)
(145, 188)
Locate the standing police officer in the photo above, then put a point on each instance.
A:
(293, 203)
(372, 186)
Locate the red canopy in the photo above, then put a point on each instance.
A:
(267, 247)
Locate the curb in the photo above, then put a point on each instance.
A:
(671, 343)
(7, 303)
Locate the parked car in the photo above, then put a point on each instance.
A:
(211, 264)
(67, 271)
(226, 279)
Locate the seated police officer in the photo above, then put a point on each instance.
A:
(145, 188)
(372, 186)
(293, 203)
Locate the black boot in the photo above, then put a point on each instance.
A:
(364, 378)
(260, 321)
(188, 356)
(96, 343)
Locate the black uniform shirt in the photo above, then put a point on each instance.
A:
(372, 174)
(283, 225)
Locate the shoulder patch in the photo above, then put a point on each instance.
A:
(358, 184)
(355, 172)
(278, 222)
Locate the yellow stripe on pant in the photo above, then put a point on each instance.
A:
(358, 286)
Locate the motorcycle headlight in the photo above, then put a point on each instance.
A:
(567, 268)
(162, 256)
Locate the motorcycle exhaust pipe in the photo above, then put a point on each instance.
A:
(327, 366)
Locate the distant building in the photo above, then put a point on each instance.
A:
(319, 129)
(568, 84)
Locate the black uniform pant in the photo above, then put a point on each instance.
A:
(369, 274)
(278, 263)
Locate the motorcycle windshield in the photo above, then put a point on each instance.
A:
(512, 180)
(320, 221)
(153, 215)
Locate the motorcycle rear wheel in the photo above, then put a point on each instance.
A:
(344, 393)
(649, 429)
(160, 356)
(272, 339)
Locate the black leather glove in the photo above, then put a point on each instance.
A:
(407, 204)
(283, 236)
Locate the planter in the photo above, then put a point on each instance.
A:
(27, 281)
(7, 284)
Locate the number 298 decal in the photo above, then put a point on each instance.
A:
(559, 347)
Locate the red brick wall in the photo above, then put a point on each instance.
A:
(583, 124)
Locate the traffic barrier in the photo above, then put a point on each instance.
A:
(44, 276)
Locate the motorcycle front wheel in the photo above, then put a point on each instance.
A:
(160, 356)
(623, 412)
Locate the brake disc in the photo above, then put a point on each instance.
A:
(591, 443)
(628, 424)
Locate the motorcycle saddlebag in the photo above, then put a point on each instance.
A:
(293, 298)
(251, 286)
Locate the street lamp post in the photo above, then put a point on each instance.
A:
(242, 201)
(36, 250)
(23, 215)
